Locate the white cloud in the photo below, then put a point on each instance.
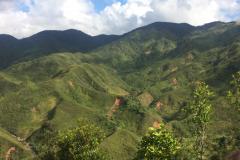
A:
(116, 18)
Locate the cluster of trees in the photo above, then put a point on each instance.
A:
(160, 143)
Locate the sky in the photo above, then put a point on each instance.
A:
(22, 18)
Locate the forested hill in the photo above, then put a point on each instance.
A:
(47, 42)
(122, 84)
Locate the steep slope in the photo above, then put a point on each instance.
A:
(139, 47)
(156, 41)
(153, 67)
(42, 84)
(59, 89)
(168, 67)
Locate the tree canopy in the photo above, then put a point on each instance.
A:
(158, 144)
(80, 143)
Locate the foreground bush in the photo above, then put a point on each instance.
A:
(158, 144)
(80, 143)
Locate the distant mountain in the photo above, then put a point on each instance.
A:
(52, 41)
(45, 42)
(124, 84)
(176, 29)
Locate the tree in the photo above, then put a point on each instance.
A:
(80, 143)
(158, 144)
(199, 110)
(133, 104)
(234, 94)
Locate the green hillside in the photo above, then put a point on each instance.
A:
(159, 63)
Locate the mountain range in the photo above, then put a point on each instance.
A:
(47, 42)
(51, 79)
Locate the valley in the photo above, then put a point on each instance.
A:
(123, 84)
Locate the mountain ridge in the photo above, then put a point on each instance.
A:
(151, 70)
(72, 40)
(47, 42)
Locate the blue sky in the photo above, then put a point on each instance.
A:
(22, 18)
(101, 4)
(22, 6)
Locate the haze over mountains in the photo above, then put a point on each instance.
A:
(51, 79)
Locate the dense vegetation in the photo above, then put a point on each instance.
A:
(144, 78)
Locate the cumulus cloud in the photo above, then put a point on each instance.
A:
(23, 18)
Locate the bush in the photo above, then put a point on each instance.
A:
(80, 143)
(158, 144)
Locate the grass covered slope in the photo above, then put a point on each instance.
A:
(152, 69)
(44, 83)
(59, 89)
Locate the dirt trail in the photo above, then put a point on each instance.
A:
(17, 141)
